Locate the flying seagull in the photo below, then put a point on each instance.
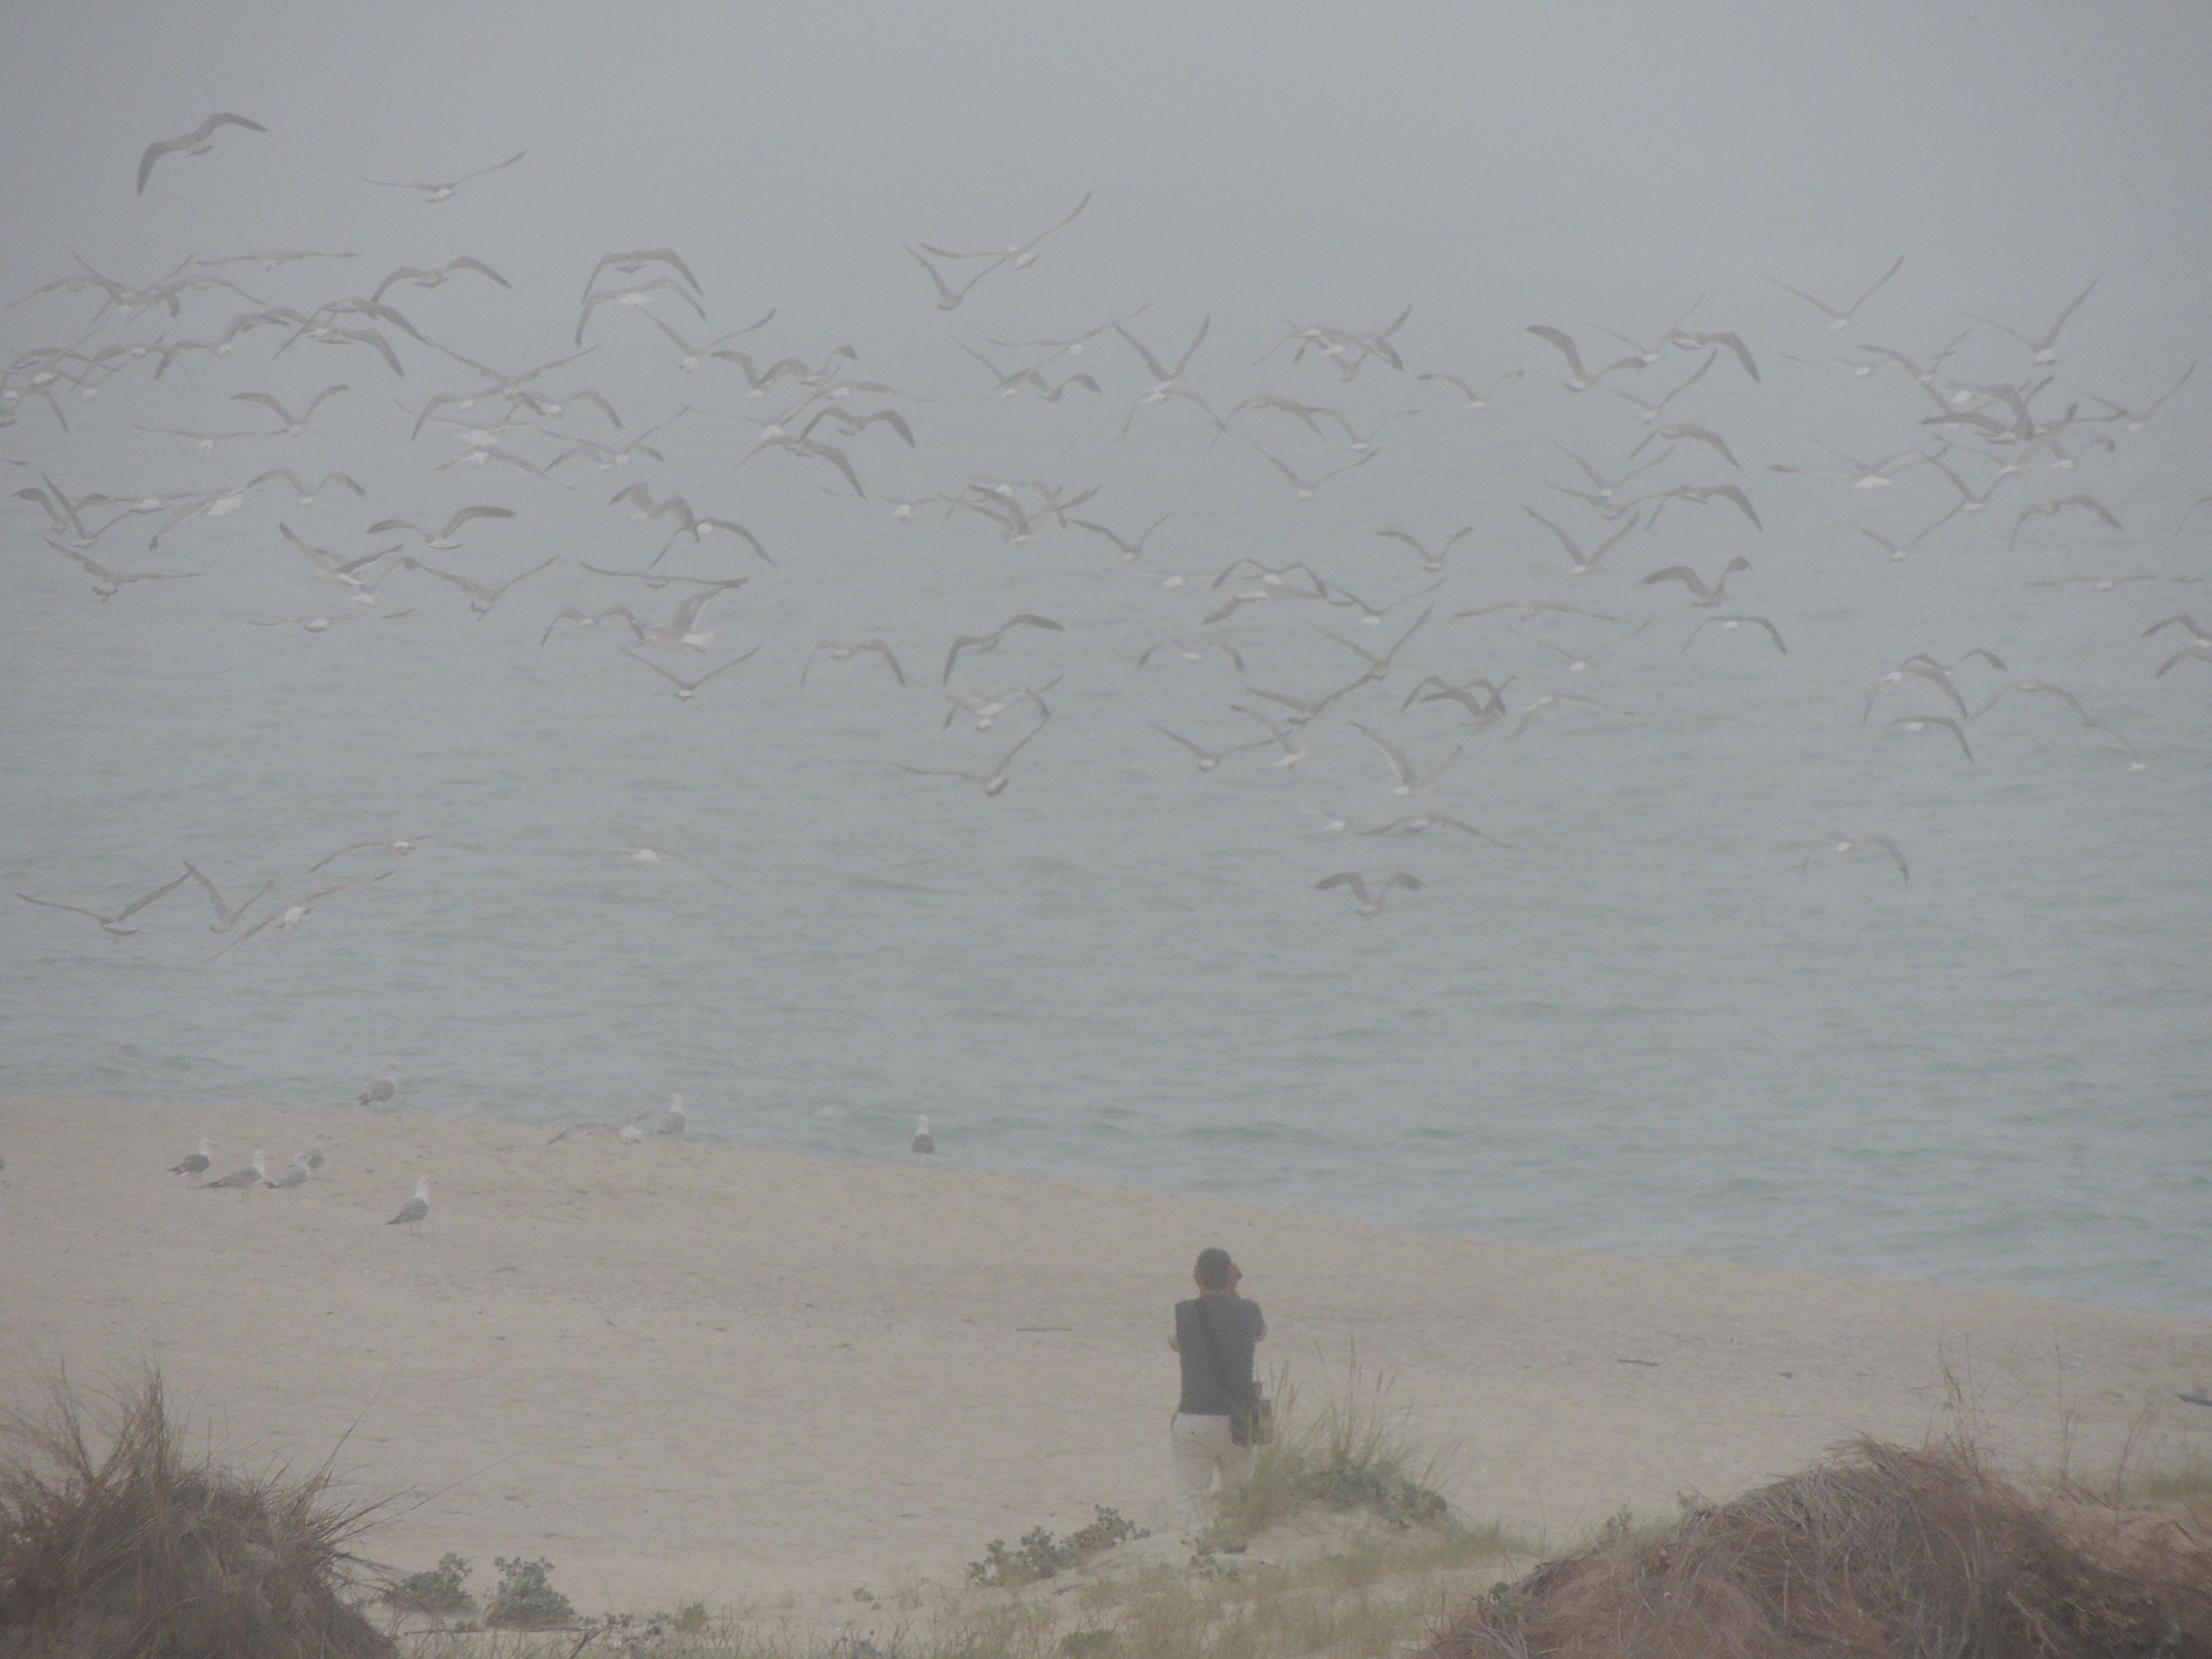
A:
(1418, 821)
(983, 643)
(399, 848)
(2044, 509)
(1207, 759)
(1580, 563)
(948, 297)
(655, 855)
(1846, 844)
(1410, 781)
(443, 540)
(113, 924)
(226, 914)
(839, 651)
(1130, 548)
(435, 276)
(1840, 319)
(994, 781)
(1304, 487)
(107, 583)
(481, 598)
(631, 262)
(1017, 256)
(2044, 346)
(293, 913)
(1922, 722)
(434, 193)
(1653, 409)
(1369, 902)
(1554, 700)
(1706, 595)
(1730, 624)
(1578, 378)
(294, 425)
(1433, 562)
(686, 689)
(195, 142)
(1477, 398)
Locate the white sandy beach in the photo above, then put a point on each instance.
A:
(680, 1370)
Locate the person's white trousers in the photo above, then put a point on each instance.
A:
(1203, 1446)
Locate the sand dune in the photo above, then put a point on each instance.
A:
(683, 1370)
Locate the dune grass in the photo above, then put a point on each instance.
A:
(116, 1538)
(1878, 1552)
(1355, 1450)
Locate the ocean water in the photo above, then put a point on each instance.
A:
(1647, 1024)
(1642, 1026)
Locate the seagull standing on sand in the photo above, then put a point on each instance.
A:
(923, 1143)
(667, 1120)
(244, 1180)
(294, 1177)
(198, 1163)
(412, 1212)
(380, 1093)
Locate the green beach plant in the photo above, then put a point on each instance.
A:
(1356, 1451)
(525, 1598)
(442, 1589)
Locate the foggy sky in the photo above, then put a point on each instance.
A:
(1311, 157)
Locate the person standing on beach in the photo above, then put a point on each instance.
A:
(1215, 1332)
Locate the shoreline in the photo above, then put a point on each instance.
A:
(691, 1369)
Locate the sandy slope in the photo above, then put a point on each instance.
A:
(684, 1370)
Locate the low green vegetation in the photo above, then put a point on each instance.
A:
(525, 1599)
(1361, 1591)
(1342, 1545)
(1356, 1452)
(1041, 1555)
(442, 1590)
